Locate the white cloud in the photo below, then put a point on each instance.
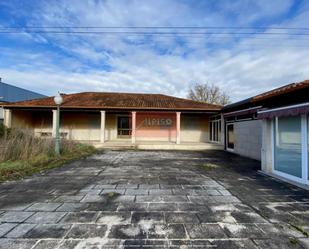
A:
(158, 64)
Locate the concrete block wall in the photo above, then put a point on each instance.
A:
(248, 138)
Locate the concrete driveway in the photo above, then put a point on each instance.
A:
(144, 199)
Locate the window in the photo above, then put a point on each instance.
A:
(288, 147)
(215, 130)
(291, 147)
(230, 138)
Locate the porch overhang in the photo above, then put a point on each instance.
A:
(247, 111)
(111, 109)
(292, 110)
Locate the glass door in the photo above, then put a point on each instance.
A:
(288, 146)
(291, 147)
(215, 131)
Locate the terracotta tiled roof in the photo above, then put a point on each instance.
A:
(282, 90)
(108, 100)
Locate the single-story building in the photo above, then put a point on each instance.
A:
(272, 127)
(106, 119)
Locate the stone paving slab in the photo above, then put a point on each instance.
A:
(153, 199)
(20, 230)
(46, 217)
(15, 216)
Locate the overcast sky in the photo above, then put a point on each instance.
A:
(243, 65)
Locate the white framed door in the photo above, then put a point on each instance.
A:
(230, 137)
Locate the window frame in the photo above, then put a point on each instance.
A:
(123, 129)
(227, 136)
(215, 130)
(304, 151)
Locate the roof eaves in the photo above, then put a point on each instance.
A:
(109, 107)
(281, 90)
(236, 104)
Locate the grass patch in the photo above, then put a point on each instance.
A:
(293, 241)
(300, 229)
(263, 214)
(22, 154)
(2, 129)
(112, 195)
(208, 166)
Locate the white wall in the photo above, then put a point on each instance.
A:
(248, 138)
(1, 114)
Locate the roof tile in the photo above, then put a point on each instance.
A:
(109, 100)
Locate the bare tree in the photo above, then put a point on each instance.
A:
(208, 93)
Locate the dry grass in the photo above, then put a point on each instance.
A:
(21, 153)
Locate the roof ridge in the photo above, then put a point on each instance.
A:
(114, 93)
(195, 101)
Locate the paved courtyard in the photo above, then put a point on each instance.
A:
(145, 199)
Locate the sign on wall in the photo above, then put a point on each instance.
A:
(149, 122)
(157, 125)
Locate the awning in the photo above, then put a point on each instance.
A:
(293, 110)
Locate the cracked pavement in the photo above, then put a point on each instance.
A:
(154, 199)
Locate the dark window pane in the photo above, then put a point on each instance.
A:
(230, 136)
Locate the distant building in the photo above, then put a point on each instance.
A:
(10, 93)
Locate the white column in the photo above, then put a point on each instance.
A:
(264, 146)
(178, 127)
(133, 127)
(102, 131)
(267, 146)
(54, 123)
(8, 118)
(222, 130)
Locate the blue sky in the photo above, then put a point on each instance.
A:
(242, 65)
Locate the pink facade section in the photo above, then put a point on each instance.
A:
(156, 125)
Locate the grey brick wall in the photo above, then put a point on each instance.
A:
(248, 138)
